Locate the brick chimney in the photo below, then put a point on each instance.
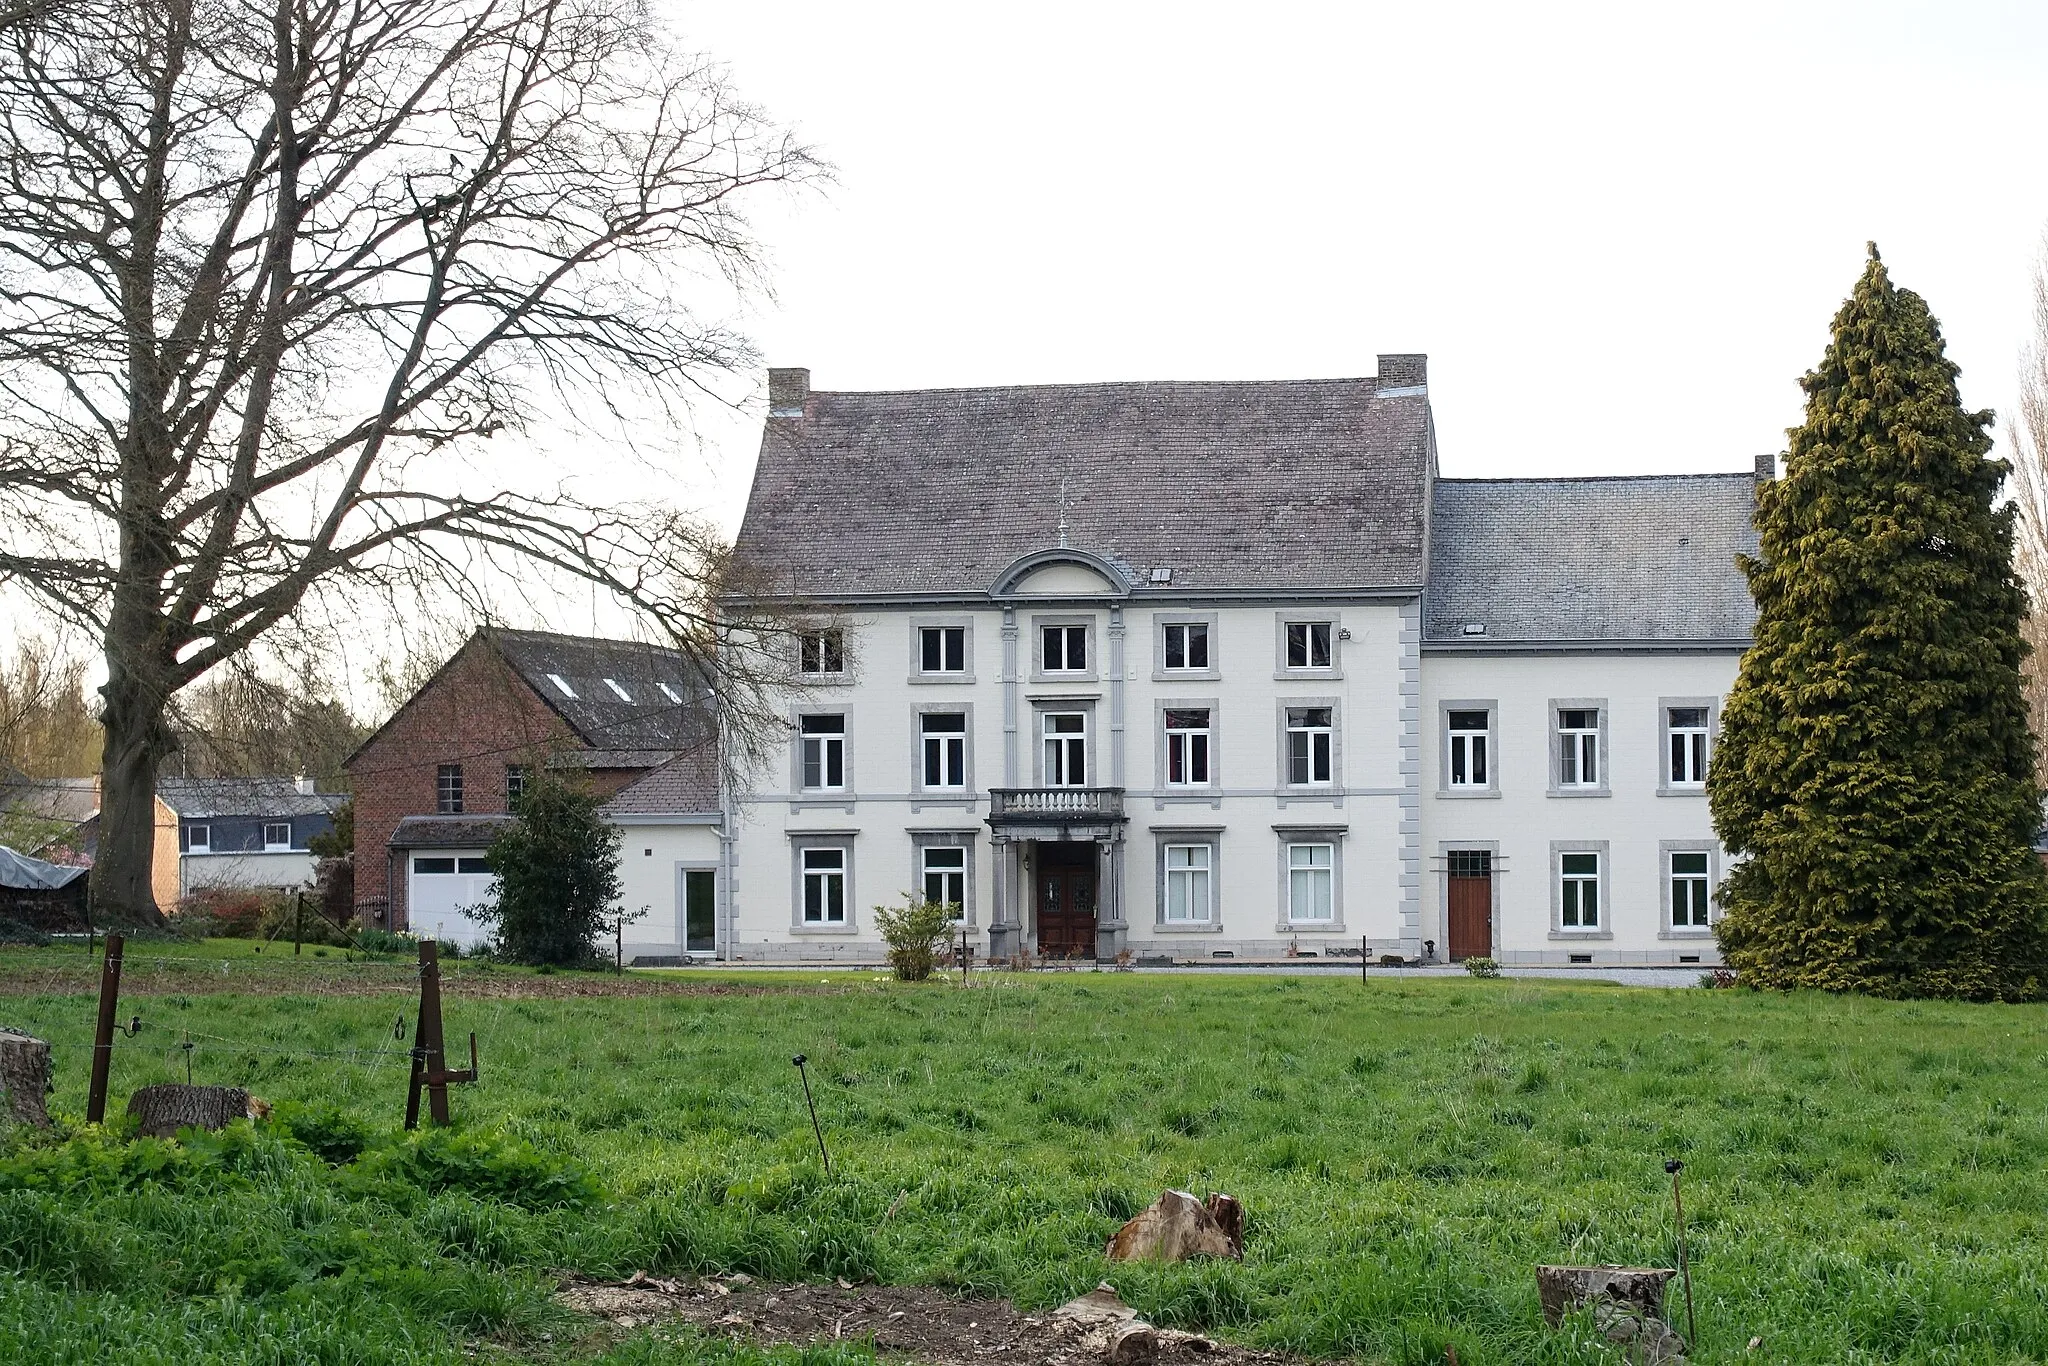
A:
(1404, 374)
(1766, 468)
(787, 390)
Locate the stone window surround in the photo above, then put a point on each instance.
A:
(1559, 848)
(1041, 620)
(917, 626)
(1444, 708)
(1332, 835)
(1665, 787)
(1332, 791)
(831, 797)
(1210, 792)
(1332, 616)
(800, 840)
(1160, 621)
(917, 715)
(1444, 849)
(1085, 703)
(921, 840)
(1212, 836)
(845, 676)
(1604, 788)
(1665, 849)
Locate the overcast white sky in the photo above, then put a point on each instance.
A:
(1619, 231)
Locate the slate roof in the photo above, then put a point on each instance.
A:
(687, 785)
(1292, 484)
(448, 832)
(1646, 559)
(645, 719)
(200, 798)
(54, 799)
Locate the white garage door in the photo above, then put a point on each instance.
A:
(445, 887)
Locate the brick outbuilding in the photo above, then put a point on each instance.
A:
(505, 705)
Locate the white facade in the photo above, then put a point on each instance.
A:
(671, 874)
(1227, 811)
(1632, 818)
(285, 868)
(1232, 867)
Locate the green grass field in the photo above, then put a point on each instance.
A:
(1865, 1180)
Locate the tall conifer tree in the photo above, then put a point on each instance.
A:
(1875, 767)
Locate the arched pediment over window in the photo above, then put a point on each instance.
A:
(1061, 573)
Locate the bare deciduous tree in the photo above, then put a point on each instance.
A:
(2027, 435)
(46, 725)
(268, 267)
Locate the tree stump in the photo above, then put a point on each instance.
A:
(24, 1078)
(1564, 1288)
(166, 1108)
(1177, 1226)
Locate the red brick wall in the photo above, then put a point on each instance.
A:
(477, 713)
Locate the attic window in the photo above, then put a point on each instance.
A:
(613, 684)
(563, 684)
(1475, 628)
(669, 693)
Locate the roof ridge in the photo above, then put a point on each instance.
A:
(1746, 476)
(1092, 384)
(525, 634)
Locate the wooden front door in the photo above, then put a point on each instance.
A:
(1471, 903)
(1066, 900)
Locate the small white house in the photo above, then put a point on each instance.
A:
(247, 832)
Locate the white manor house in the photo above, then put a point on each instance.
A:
(1223, 671)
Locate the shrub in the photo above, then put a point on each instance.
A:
(370, 939)
(558, 875)
(281, 912)
(914, 934)
(223, 912)
(334, 1135)
(1717, 979)
(1482, 967)
(488, 1165)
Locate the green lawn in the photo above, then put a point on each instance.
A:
(1865, 1180)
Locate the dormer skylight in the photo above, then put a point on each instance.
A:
(623, 695)
(669, 693)
(562, 684)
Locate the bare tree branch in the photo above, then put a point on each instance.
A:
(270, 270)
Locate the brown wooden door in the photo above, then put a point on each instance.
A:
(1066, 910)
(1471, 903)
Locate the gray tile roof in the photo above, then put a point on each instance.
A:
(644, 719)
(448, 832)
(203, 797)
(1301, 483)
(1641, 559)
(686, 785)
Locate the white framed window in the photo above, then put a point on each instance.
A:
(1187, 646)
(1309, 734)
(942, 649)
(821, 653)
(277, 835)
(944, 748)
(1469, 763)
(945, 876)
(448, 790)
(562, 686)
(1578, 747)
(669, 693)
(1066, 748)
(1188, 872)
(1065, 649)
(1686, 732)
(823, 761)
(1188, 744)
(824, 886)
(1308, 644)
(1578, 890)
(618, 690)
(1311, 883)
(198, 839)
(1690, 889)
